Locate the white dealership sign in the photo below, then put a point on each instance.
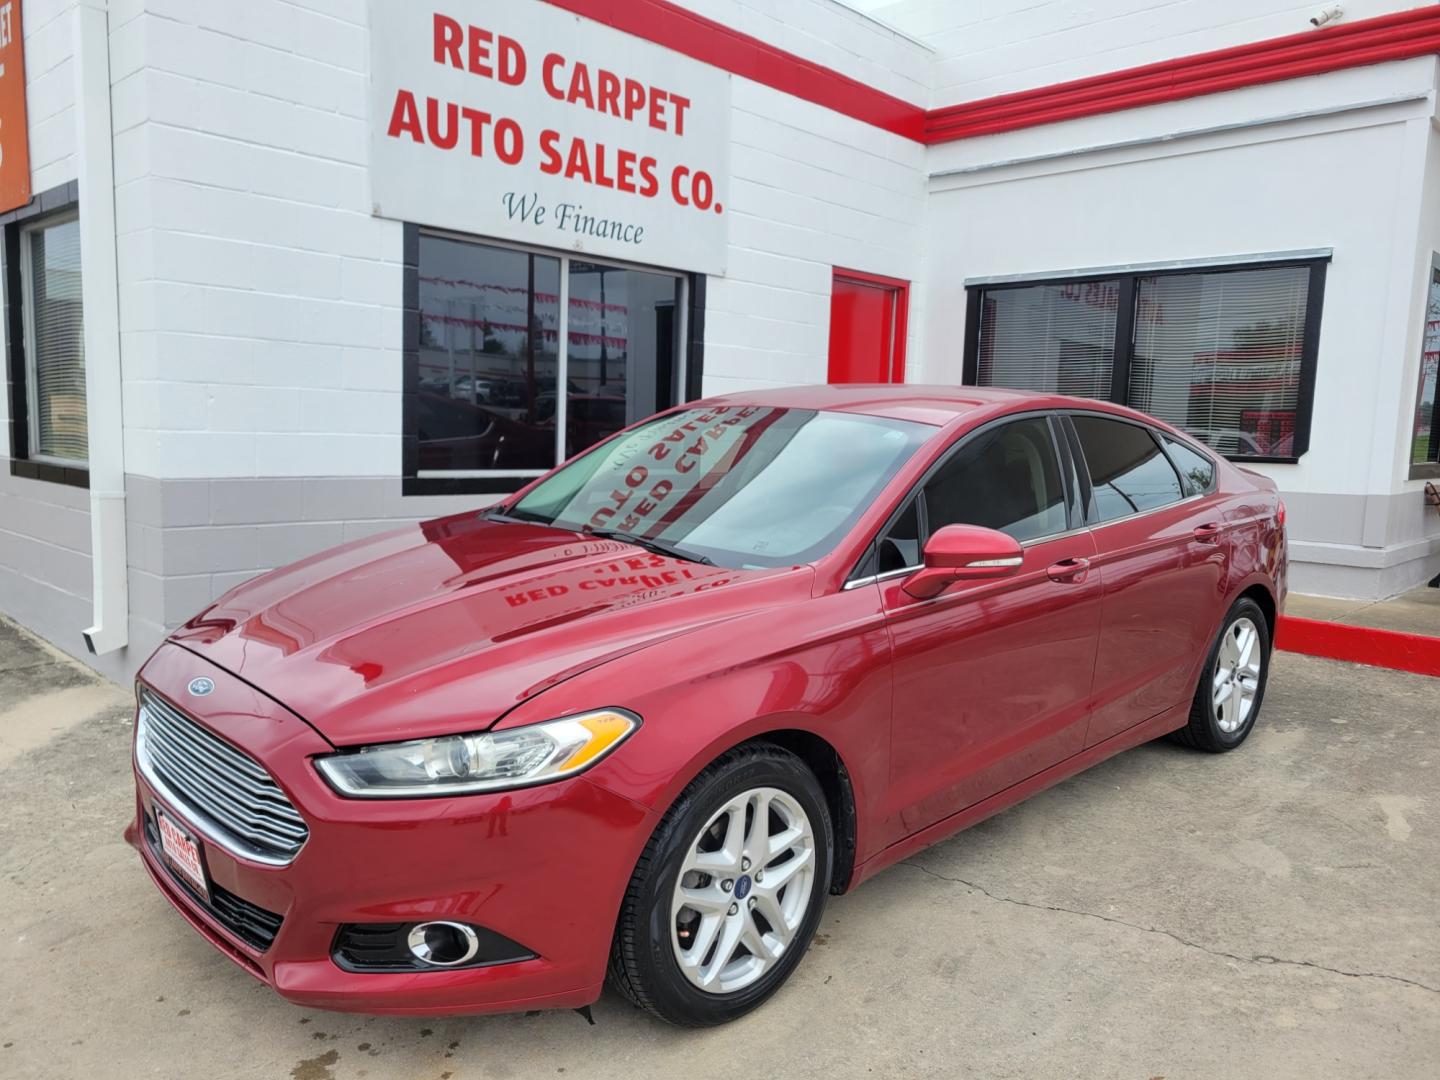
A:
(521, 121)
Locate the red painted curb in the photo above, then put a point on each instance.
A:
(1360, 645)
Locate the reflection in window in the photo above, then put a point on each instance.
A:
(1127, 470)
(1197, 472)
(623, 343)
(742, 485)
(491, 365)
(1005, 479)
(488, 357)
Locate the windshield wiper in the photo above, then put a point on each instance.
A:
(659, 547)
(516, 517)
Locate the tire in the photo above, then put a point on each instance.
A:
(657, 932)
(1218, 727)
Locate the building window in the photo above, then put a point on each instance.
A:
(54, 340)
(1057, 338)
(1425, 444)
(1227, 354)
(45, 339)
(524, 358)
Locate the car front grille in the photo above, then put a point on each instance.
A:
(224, 792)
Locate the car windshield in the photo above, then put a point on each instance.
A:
(742, 486)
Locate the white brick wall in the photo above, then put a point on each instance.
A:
(260, 299)
(50, 91)
(1005, 45)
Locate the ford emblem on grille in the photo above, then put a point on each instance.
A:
(202, 686)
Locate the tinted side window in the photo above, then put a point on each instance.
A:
(1128, 472)
(1197, 471)
(1006, 478)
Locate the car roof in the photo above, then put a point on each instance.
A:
(937, 405)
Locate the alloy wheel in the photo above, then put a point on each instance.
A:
(743, 890)
(1236, 679)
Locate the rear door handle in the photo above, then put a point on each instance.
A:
(1209, 533)
(1069, 570)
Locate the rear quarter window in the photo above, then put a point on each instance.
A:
(1128, 472)
(1197, 472)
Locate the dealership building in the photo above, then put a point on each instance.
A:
(283, 273)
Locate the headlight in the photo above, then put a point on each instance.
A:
(488, 761)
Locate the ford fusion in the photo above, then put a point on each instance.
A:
(638, 721)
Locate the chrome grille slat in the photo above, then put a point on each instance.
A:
(186, 728)
(235, 810)
(261, 790)
(229, 793)
(179, 744)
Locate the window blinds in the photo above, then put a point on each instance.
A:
(57, 342)
(1219, 354)
(1057, 338)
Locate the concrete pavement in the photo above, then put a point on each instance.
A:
(1269, 913)
(1413, 612)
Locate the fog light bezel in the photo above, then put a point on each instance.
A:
(417, 941)
(383, 948)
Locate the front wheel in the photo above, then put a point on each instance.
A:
(729, 891)
(1232, 683)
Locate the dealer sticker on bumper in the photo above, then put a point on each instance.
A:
(183, 854)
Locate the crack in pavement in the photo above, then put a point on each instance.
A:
(1259, 958)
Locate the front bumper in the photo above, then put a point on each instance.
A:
(545, 866)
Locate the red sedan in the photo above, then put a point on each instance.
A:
(643, 717)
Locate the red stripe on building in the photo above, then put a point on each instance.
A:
(1379, 40)
(1399, 36)
(1360, 645)
(720, 46)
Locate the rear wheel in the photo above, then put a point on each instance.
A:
(1232, 683)
(729, 891)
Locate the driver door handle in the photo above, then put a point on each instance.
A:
(1067, 570)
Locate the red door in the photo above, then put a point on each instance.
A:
(867, 328)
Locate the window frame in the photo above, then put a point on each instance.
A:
(1124, 351)
(1428, 469)
(690, 313)
(27, 319)
(1069, 480)
(47, 207)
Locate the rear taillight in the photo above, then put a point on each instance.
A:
(1280, 513)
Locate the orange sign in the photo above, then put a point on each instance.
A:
(14, 131)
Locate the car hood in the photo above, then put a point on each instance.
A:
(445, 626)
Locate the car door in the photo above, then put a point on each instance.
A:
(991, 678)
(1161, 549)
